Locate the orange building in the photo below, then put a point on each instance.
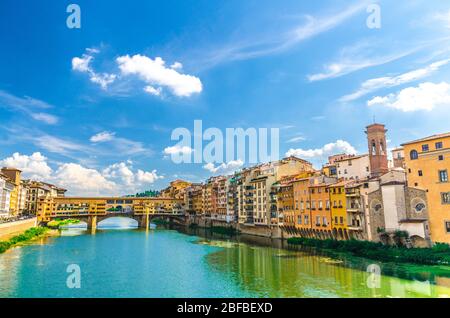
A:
(427, 163)
(302, 208)
(320, 206)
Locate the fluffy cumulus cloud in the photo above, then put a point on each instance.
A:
(79, 180)
(120, 172)
(320, 154)
(83, 64)
(224, 167)
(427, 96)
(116, 179)
(102, 137)
(156, 75)
(147, 177)
(34, 166)
(123, 174)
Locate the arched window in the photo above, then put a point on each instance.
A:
(382, 147)
(374, 147)
(414, 155)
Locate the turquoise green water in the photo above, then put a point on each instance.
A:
(165, 263)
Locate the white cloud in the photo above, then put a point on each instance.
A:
(178, 150)
(28, 105)
(102, 137)
(296, 139)
(111, 146)
(374, 84)
(83, 65)
(340, 146)
(56, 144)
(34, 166)
(116, 179)
(153, 91)
(147, 177)
(224, 167)
(444, 18)
(103, 79)
(426, 96)
(46, 118)
(176, 66)
(154, 72)
(355, 58)
(350, 65)
(123, 174)
(280, 41)
(79, 180)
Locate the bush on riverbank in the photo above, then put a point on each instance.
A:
(24, 237)
(56, 224)
(224, 230)
(439, 254)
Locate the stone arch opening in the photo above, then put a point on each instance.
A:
(117, 222)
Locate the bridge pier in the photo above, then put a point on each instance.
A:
(144, 221)
(92, 223)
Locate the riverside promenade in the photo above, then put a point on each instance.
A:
(9, 229)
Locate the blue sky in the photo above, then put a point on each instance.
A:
(93, 109)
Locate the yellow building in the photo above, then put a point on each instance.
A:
(176, 189)
(338, 204)
(14, 175)
(427, 163)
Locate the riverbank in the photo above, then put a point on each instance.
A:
(57, 224)
(11, 229)
(27, 236)
(437, 255)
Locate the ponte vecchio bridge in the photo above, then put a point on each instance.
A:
(94, 210)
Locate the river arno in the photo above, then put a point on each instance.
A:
(167, 263)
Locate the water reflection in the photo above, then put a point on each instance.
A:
(279, 273)
(260, 265)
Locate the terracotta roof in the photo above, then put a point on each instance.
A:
(339, 184)
(11, 169)
(352, 158)
(438, 136)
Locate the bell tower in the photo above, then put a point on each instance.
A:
(376, 138)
